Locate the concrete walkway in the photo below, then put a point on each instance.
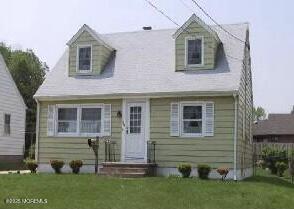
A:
(15, 172)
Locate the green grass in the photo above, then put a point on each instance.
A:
(90, 191)
(263, 172)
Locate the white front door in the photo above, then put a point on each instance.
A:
(135, 131)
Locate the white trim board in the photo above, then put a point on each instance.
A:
(138, 95)
(236, 105)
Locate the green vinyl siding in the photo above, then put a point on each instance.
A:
(215, 151)
(100, 54)
(210, 47)
(245, 116)
(70, 148)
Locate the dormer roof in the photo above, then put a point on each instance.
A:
(196, 19)
(93, 33)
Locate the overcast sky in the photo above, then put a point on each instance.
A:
(45, 26)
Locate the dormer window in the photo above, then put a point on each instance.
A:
(84, 59)
(194, 51)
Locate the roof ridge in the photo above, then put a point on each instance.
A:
(165, 29)
(139, 31)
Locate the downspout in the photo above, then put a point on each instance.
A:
(235, 134)
(37, 132)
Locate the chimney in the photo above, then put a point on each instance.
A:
(147, 28)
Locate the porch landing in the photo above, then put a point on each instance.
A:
(128, 170)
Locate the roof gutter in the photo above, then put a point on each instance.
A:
(235, 133)
(135, 95)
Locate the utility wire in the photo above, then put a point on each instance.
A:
(187, 6)
(160, 11)
(169, 18)
(190, 9)
(215, 22)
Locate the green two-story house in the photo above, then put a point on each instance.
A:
(180, 95)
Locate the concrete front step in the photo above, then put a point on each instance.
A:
(128, 170)
(124, 170)
(129, 165)
(124, 175)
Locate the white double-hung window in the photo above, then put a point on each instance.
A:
(194, 51)
(84, 59)
(191, 121)
(67, 120)
(79, 120)
(91, 120)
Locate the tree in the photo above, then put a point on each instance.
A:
(28, 73)
(259, 113)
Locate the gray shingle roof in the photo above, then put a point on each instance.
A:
(8, 79)
(145, 64)
(276, 124)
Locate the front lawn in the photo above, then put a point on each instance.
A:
(90, 191)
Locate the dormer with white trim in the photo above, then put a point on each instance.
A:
(88, 52)
(196, 44)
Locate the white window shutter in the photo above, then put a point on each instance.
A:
(107, 120)
(174, 119)
(51, 120)
(209, 119)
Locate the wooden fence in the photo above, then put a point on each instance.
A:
(287, 147)
(258, 147)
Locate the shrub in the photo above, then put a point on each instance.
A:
(185, 169)
(203, 171)
(31, 165)
(57, 165)
(261, 164)
(76, 165)
(281, 167)
(223, 172)
(271, 156)
(291, 168)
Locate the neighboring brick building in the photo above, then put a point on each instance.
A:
(277, 128)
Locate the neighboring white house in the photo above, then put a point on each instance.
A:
(12, 118)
